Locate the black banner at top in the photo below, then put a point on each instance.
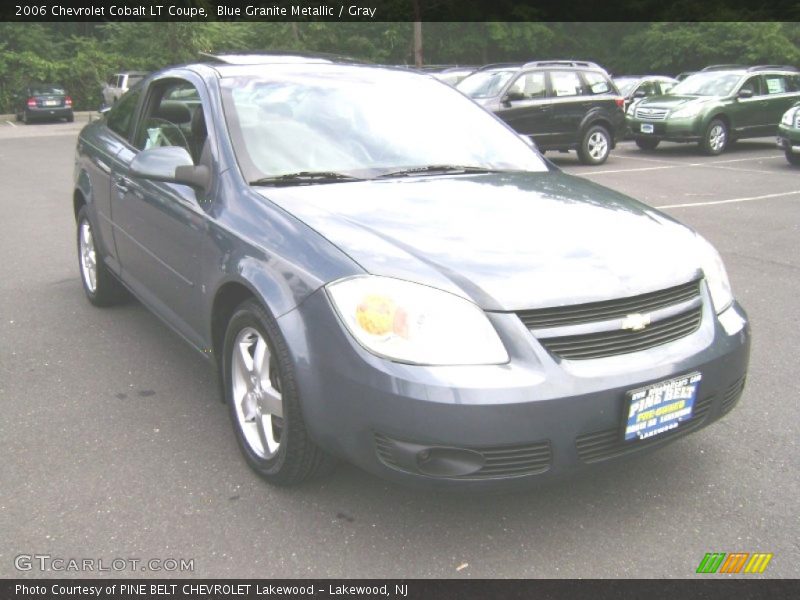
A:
(398, 10)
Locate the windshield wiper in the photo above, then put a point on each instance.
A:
(305, 177)
(436, 170)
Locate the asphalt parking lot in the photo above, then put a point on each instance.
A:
(115, 445)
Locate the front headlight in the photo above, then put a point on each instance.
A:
(788, 116)
(687, 112)
(715, 274)
(413, 323)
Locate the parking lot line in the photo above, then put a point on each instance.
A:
(10, 123)
(731, 201)
(675, 165)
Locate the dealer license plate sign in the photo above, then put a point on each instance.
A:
(661, 407)
(647, 128)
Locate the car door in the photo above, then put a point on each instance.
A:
(103, 167)
(748, 115)
(526, 107)
(160, 226)
(570, 105)
(780, 94)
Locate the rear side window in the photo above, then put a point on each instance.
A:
(596, 83)
(134, 79)
(120, 118)
(565, 83)
(776, 84)
(530, 85)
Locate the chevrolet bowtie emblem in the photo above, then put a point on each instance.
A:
(636, 322)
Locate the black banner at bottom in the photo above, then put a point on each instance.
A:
(399, 589)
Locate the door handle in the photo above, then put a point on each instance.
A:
(122, 184)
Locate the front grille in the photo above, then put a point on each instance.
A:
(612, 343)
(652, 114)
(609, 309)
(500, 461)
(732, 394)
(610, 443)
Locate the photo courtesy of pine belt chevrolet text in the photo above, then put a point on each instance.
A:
(382, 271)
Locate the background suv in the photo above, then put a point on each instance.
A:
(716, 106)
(561, 105)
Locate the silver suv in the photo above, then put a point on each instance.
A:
(118, 84)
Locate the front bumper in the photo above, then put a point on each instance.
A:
(788, 139)
(533, 418)
(672, 130)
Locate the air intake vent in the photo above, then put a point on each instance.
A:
(498, 461)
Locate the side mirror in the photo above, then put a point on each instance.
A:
(171, 164)
(745, 93)
(513, 97)
(639, 94)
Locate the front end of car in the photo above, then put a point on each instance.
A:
(651, 119)
(422, 386)
(789, 134)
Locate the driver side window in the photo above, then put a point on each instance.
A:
(173, 116)
(529, 85)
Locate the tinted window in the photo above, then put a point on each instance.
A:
(484, 84)
(752, 84)
(120, 118)
(530, 85)
(776, 84)
(167, 117)
(596, 83)
(565, 83)
(44, 89)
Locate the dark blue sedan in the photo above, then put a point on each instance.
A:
(382, 271)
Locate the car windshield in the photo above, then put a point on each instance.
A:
(706, 84)
(626, 84)
(484, 84)
(45, 89)
(363, 122)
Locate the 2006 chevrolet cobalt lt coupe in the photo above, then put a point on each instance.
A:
(384, 272)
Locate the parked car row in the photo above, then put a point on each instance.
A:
(574, 105)
(381, 271)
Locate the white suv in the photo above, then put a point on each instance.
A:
(120, 83)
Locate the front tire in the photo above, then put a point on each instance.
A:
(647, 143)
(794, 159)
(262, 397)
(99, 285)
(715, 139)
(595, 146)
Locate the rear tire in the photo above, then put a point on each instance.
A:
(99, 285)
(715, 139)
(794, 159)
(263, 401)
(70, 118)
(595, 146)
(647, 143)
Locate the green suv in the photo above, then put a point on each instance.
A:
(789, 134)
(716, 106)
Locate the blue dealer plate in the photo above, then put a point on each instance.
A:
(660, 407)
(646, 128)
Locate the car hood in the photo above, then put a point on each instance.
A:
(506, 241)
(672, 102)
